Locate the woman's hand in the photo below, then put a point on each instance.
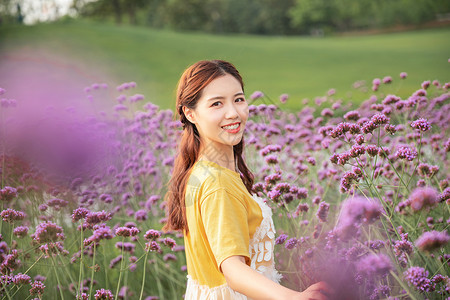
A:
(317, 291)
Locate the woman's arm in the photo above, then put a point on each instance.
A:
(243, 279)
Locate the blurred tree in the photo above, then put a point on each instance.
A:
(279, 17)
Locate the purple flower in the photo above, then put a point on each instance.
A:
(152, 246)
(423, 197)
(425, 84)
(152, 235)
(115, 261)
(79, 213)
(20, 231)
(284, 98)
(10, 215)
(169, 256)
(271, 159)
(406, 152)
(387, 79)
(281, 239)
(48, 232)
(356, 211)
(418, 277)
(374, 265)
(421, 124)
(169, 242)
(432, 240)
(93, 218)
(140, 215)
(403, 75)
(291, 243)
(136, 98)
(37, 288)
(270, 149)
(103, 294)
(256, 95)
(352, 115)
(126, 232)
(322, 212)
(8, 193)
(21, 279)
(379, 119)
(127, 247)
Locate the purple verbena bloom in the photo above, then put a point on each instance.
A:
(93, 218)
(425, 84)
(37, 288)
(387, 79)
(291, 243)
(10, 215)
(270, 149)
(281, 239)
(256, 95)
(21, 231)
(103, 294)
(421, 124)
(79, 213)
(47, 232)
(403, 75)
(374, 265)
(152, 235)
(423, 197)
(140, 215)
(406, 152)
(322, 212)
(127, 247)
(169, 242)
(432, 240)
(418, 277)
(352, 115)
(284, 98)
(169, 257)
(379, 119)
(8, 193)
(152, 246)
(356, 211)
(21, 279)
(271, 159)
(115, 261)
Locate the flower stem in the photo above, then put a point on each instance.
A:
(120, 273)
(57, 278)
(92, 272)
(143, 276)
(80, 284)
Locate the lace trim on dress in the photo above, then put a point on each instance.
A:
(262, 244)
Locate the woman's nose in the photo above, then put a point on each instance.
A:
(231, 112)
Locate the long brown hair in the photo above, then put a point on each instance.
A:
(190, 87)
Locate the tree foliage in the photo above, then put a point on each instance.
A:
(274, 17)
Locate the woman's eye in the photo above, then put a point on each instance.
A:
(240, 100)
(217, 103)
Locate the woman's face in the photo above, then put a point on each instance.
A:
(221, 114)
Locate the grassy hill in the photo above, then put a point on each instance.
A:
(303, 67)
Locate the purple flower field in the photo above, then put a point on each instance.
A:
(360, 195)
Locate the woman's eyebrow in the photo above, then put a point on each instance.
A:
(222, 97)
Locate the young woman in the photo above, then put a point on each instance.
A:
(228, 233)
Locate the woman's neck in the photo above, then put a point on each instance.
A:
(222, 157)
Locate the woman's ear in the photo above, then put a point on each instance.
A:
(189, 113)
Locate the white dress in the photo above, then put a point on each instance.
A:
(261, 250)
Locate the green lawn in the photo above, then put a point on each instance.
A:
(303, 67)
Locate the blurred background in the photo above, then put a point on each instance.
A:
(56, 48)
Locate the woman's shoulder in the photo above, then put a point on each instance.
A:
(207, 174)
